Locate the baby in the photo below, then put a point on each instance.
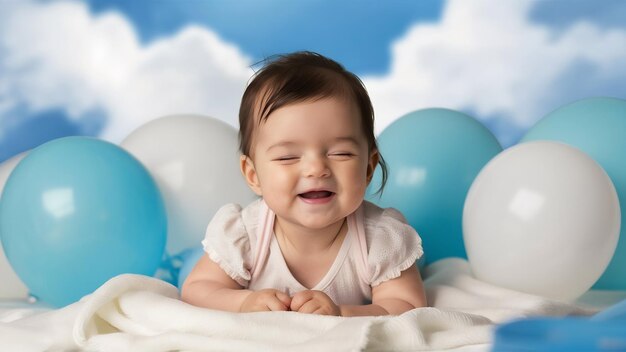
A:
(311, 243)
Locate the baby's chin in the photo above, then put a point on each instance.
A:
(314, 221)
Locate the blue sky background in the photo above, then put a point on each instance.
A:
(356, 33)
(103, 68)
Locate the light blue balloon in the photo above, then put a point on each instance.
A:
(433, 156)
(616, 312)
(189, 259)
(559, 335)
(597, 126)
(76, 212)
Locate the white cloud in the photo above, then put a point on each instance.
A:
(483, 56)
(487, 57)
(58, 55)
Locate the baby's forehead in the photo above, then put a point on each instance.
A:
(265, 110)
(320, 119)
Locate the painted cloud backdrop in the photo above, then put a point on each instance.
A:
(104, 68)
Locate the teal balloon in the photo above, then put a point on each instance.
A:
(597, 126)
(76, 212)
(433, 156)
(189, 258)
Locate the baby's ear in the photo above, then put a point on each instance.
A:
(249, 173)
(371, 164)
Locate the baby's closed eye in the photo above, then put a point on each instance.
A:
(288, 159)
(341, 155)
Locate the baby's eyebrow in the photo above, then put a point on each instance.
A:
(286, 144)
(349, 139)
(281, 144)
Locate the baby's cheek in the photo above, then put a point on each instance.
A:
(358, 182)
(275, 179)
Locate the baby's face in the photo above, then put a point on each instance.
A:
(311, 162)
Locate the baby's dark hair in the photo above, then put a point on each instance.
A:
(297, 77)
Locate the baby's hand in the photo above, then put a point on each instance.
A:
(266, 300)
(316, 302)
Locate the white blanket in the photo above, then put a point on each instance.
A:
(139, 313)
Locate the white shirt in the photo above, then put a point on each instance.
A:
(378, 246)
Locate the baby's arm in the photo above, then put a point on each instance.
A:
(392, 297)
(209, 286)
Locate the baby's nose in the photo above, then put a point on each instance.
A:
(316, 167)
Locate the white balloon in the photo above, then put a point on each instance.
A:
(11, 286)
(7, 166)
(543, 218)
(195, 162)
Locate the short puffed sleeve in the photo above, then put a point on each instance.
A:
(393, 245)
(227, 242)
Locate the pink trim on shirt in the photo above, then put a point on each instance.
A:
(264, 236)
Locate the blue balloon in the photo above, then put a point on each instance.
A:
(189, 259)
(597, 126)
(616, 312)
(433, 156)
(77, 211)
(560, 334)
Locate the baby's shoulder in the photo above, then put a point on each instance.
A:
(392, 244)
(233, 220)
(376, 217)
(229, 238)
(386, 227)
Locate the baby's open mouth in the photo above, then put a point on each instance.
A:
(316, 194)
